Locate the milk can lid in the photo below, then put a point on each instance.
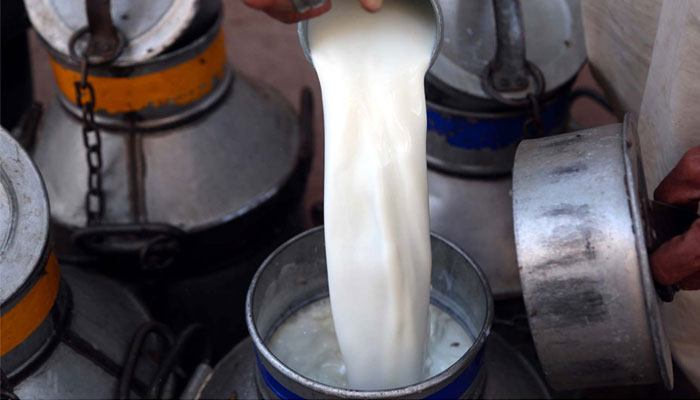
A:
(149, 27)
(554, 41)
(24, 217)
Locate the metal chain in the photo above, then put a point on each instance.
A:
(85, 98)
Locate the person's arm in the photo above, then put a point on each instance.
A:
(678, 260)
(284, 10)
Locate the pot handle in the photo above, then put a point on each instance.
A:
(510, 71)
(100, 41)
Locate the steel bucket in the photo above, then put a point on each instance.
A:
(295, 275)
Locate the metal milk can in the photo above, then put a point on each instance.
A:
(584, 230)
(154, 148)
(295, 275)
(504, 73)
(64, 333)
(163, 162)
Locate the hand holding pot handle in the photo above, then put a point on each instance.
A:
(678, 260)
(291, 11)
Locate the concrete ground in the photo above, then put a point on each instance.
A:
(265, 49)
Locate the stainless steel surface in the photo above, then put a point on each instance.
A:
(508, 374)
(295, 274)
(150, 27)
(477, 215)
(303, 32)
(106, 316)
(554, 42)
(24, 221)
(201, 174)
(583, 265)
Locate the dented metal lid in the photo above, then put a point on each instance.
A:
(554, 42)
(149, 27)
(24, 218)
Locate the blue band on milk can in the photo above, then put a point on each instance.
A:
(492, 133)
(452, 391)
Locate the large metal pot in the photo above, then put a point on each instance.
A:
(472, 135)
(580, 240)
(63, 333)
(295, 274)
(508, 374)
(203, 172)
(227, 150)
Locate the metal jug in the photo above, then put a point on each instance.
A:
(64, 333)
(170, 169)
(504, 73)
(295, 274)
(582, 230)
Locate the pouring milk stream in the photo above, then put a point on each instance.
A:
(371, 68)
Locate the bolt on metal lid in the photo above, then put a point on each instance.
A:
(149, 27)
(24, 218)
(554, 42)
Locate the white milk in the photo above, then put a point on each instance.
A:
(371, 68)
(306, 342)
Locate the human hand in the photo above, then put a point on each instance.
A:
(678, 260)
(285, 11)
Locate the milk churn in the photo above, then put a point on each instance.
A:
(504, 73)
(584, 229)
(295, 274)
(157, 153)
(188, 150)
(63, 333)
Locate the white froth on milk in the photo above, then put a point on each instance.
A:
(306, 342)
(371, 68)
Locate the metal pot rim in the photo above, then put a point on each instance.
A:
(635, 188)
(433, 381)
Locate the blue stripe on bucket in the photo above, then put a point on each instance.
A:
(276, 387)
(452, 391)
(460, 385)
(491, 133)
